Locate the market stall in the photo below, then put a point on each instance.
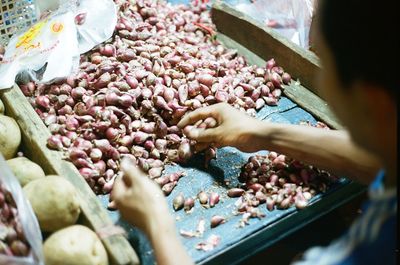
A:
(121, 76)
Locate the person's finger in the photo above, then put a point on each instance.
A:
(130, 171)
(210, 122)
(112, 205)
(200, 147)
(199, 114)
(204, 135)
(118, 191)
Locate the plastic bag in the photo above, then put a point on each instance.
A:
(27, 218)
(51, 41)
(290, 18)
(100, 18)
(50, 49)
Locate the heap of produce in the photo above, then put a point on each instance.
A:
(55, 203)
(130, 92)
(12, 237)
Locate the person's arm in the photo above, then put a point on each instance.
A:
(331, 150)
(168, 248)
(141, 202)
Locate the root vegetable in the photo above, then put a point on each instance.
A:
(235, 192)
(10, 137)
(216, 220)
(74, 245)
(203, 197)
(25, 170)
(286, 78)
(188, 204)
(155, 172)
(54, 201)
(167, 188)
(214, 199)
(178, 202)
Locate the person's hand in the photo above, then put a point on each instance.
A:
(139, 200)
(233, 128)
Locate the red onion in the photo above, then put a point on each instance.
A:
(169, 94)
(96, 154)
(80, 19)
(213, 199)
(72, 123)
(149, 145)
(107, 50)
(140, 137)
(131, 81)
(43, 101)
(102, 144)
(78, 92)
(54, 142)
(276, 80)
(159, 102)
(286, 78)
(155, 172)
(270, 64)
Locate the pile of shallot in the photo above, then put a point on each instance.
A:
(12, 238)
(279, 182)
(162, 62)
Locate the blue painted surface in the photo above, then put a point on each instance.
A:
(225, 168)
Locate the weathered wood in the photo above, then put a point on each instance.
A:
(296, 92)
(34, 138)
(266, 43)
(312, 103)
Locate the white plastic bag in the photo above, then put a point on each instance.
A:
(27, 218)
(100, 20)
(51, 40)
(290, 18)
(50, 49)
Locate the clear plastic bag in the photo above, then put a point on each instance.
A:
(290, 18)
(28, 220)
(50, 49)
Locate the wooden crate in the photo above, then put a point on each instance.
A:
(259, 43)
(34, 139)
(235, 30)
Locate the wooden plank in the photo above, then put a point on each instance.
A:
(296, 92)
(312, 103)
(34, 138)
(264, 42)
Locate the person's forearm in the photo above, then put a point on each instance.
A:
(167, 247)
(331, 150)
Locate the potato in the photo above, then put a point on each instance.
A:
(54, 201)
(2, 109)
(74, 245)
(10, 137)
(25, 170)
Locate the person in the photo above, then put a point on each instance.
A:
(358, 49)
